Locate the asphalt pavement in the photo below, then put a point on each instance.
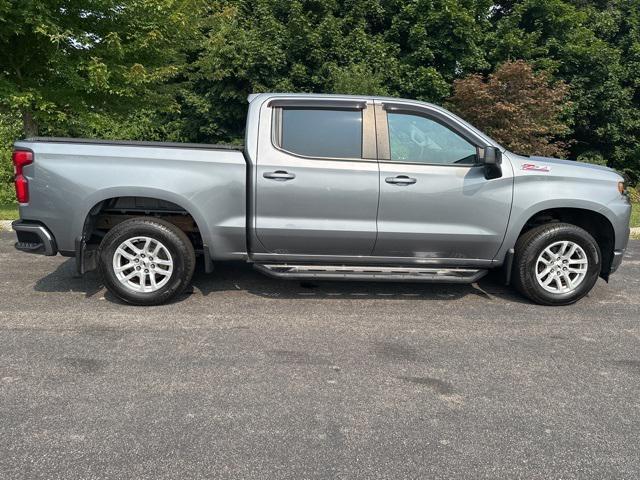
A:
(251, 377)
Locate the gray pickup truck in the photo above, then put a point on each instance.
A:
(326, 187)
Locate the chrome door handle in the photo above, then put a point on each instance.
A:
(279, 175)
(400, 180)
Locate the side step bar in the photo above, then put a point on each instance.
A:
(370, 273)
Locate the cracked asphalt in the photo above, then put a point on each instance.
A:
(250, 377)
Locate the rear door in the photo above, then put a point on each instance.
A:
(317, 181)
(435, 202)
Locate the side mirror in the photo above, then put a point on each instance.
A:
(491, 158)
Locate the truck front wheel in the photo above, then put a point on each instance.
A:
(556, 264)
(146, 261)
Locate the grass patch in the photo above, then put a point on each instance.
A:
(635, 215)
(8, 211)
(635, 220)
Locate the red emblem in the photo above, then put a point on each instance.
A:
(535, 168)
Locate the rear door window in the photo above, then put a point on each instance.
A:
(322, 132)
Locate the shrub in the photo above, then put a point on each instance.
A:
(519, 108)
(10, 129)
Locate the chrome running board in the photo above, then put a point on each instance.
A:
(370, 273)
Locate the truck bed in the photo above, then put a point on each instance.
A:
(69, 178)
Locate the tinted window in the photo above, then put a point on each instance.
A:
(322, 132)
(419, 139)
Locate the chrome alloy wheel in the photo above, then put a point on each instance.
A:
(561, 267)
(142, 264)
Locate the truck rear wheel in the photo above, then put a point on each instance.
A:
(556, 264)
(146, 261)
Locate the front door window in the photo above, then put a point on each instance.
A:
(418, 139)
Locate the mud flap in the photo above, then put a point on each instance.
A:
(508, 266)
(86, 256)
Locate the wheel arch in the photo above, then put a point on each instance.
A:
(596, 223)
(97, 202)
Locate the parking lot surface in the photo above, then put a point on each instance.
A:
(250, 377)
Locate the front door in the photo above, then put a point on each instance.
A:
(435, 202)
(317, 180)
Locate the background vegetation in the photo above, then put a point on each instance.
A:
(557, 77)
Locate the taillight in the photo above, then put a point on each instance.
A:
(21, 158)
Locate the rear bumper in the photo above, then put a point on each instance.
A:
(34, 238)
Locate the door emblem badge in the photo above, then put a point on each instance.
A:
(535, 168)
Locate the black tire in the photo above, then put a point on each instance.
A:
(532, 243)
(175, 241)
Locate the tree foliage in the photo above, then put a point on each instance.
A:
(413, 49)
(182, 69)
(9, 130)
(593, 46)
(63, 62)
(522, 110)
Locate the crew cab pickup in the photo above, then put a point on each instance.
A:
(326, 187)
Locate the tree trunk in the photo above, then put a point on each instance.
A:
(29, 124)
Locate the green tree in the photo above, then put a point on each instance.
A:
(595, 48)
(386, 47)
(63, 63)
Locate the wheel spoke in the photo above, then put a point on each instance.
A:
(549, 253)
(132, 247)
(125, 254)
(578, 261)
(130, 275)
(162, 272)
(558, 282)
(147, 242)
(563, 248)
(544, 273)
(127, 266)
